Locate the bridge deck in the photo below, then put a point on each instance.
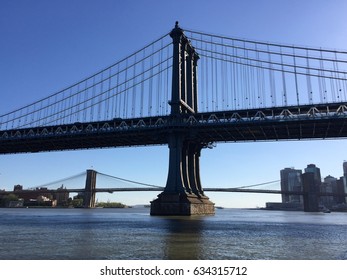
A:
(325, 121)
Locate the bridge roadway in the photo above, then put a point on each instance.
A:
(321, 121)
(160, 189)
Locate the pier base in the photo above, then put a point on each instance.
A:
(168, 204)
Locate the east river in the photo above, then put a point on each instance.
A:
(131, 233)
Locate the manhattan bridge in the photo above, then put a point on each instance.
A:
(189, 90)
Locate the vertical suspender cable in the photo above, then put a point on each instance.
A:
(69, 107)
(39, 113)
(100, 94)
(272, 80)
(308, 79)
(93, 100)
(344, 87)
(216, 79)
(320, 83)
(337, 78)
(258, 81)
(168, 75)
(263, 88)
(235, 79)
(158, 78)
(212, 76)
(85, 90)
(252, 85)
(207, 80)
(243, 79)
(109, 100)
(142, 83)
(112, 89)
(79, 107)
(332, 84)
(248, 82)
(296, 79)
(150, 84)
(125, 92)
(13, 119)
(227, 78)
(285, 101)
(134, 88)
(118, 94)
(323, 78)
(64, 108)
(202, 81)
(222, 75)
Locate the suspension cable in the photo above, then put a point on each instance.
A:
(60, 180)
(265, 43)
(129, 181)
(257, 185)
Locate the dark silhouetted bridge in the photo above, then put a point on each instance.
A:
(116, 184)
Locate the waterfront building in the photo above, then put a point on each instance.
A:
(344, 178)
(16, 203)
(62, 196)
(30, 197)
(291, 181)
(17, 188)
(329, 185)
(312, 168)
(341, 191)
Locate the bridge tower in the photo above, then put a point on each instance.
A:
(183, 193)
(310, 192)
(89, 192)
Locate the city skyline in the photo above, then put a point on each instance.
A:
(290, 180)
(294, 180)
(48, 46)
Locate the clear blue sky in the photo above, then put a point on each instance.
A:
(48, 45)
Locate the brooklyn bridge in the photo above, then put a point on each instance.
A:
(189, 90)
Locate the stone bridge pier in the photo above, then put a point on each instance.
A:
(183, 193)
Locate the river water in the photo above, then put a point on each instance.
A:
(98, 234)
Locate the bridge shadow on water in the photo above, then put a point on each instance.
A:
(183, 239)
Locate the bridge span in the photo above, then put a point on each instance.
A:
(89, 191)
